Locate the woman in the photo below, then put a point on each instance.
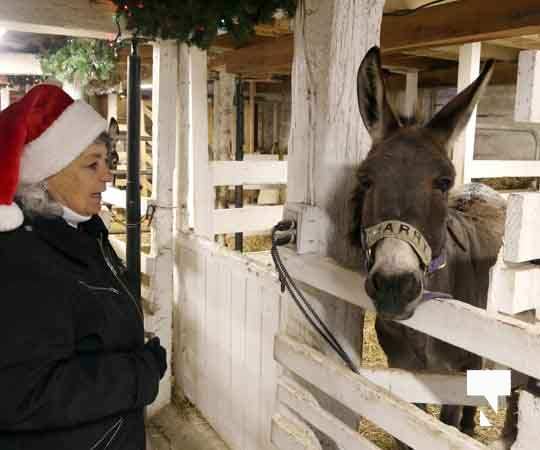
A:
(75, 373)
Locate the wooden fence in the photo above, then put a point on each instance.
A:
(234, 323)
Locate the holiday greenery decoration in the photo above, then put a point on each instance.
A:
(197, 22)
(86, 61)
(22, 81)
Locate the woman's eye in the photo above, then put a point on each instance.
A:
(93, 166)
(443, 184)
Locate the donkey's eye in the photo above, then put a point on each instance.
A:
(365, 183)
(443, 183)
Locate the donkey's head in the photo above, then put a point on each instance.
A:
(402, 192)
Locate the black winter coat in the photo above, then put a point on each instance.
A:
(73, 375)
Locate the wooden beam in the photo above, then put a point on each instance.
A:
(410, 99)
(271, 53)
(20, 64)
(521, 232)
(275, 55)
(528, 419)
(430, 27)
(527, 108)
(203, 190)
(469, 69)
(460, 23)
(80, 18)
(451, 53)
(165, 82)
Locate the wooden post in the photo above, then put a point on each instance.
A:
(275, 127)
(203, 189)
(112, 107)
(410, 98)
(222, 149)
(468, 71)
(164, 87)
(527, 107)
(251, 117)
(4, 98)
(327, 142)
(182, 215)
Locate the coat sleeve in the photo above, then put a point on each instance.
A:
(44, 382)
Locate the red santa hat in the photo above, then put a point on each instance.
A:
(40, 135)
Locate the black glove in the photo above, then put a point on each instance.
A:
(159, 353)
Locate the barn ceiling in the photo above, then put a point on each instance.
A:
(427, 41)
(19, 42)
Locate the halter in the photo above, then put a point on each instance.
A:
(404, 232)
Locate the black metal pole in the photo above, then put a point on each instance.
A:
(133, 206)
(239, 190)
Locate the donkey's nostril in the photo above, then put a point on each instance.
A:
(409, 286)
(378, 281)
(396, 288)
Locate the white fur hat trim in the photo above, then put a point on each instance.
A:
(11, 217)
(65, 139)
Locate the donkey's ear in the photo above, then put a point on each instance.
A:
(450, 121)
(375, 110)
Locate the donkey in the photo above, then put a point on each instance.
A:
(417, 238)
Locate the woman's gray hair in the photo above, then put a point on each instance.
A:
(35, 199)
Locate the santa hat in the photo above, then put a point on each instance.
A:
(39, 136)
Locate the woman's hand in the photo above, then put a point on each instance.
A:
(154, 347)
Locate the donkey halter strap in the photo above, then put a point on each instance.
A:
(402, 231)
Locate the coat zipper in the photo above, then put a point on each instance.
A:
(99, 288)
(120, 281)
(117, 425)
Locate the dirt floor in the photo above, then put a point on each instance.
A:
(180, 426)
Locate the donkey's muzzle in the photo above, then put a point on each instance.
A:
(392, 293)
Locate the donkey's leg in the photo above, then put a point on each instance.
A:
(509, 431)
(451, 415)
(397, 341)
(467, 423)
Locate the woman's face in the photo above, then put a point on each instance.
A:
(79, 185)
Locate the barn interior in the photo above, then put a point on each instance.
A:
(426, 51)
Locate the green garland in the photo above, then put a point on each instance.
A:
(197, 22)
(86, 60)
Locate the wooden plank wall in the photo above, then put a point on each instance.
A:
(230, 313)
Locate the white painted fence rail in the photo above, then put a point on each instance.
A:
(254, 174)
(403, 420)
(248, 172)
(248, 218)
(485, 168)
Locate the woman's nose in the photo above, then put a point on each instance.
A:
(107, 175)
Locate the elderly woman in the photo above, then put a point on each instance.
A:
(75, 372)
